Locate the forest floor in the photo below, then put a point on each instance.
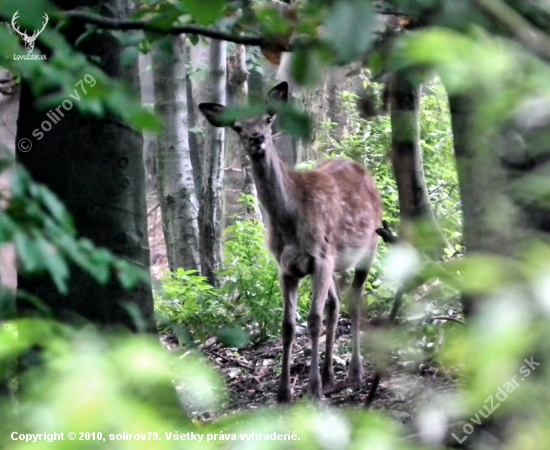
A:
(252, 373)
(252, 376)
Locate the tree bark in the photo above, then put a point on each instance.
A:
(238, 182)
(176, 187)
(197, 92)
(287, 146)
(194, 147)
(414, 204)
(211, 209)
(95, 166)
(504, 209)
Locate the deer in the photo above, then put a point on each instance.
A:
(319, 222)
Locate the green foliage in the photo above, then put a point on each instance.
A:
(189, 300)
(63, 75)
(251, 277)
(46, 240)
(370, 141)
(436, 140)
(117, 391)
(249, 297)
(350, 28)
(204, 15)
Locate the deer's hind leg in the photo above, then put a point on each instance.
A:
(333, 309)
(355, 299)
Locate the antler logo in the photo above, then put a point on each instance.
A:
(29, 40)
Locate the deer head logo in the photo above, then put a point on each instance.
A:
(29, 40)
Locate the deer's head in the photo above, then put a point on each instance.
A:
(255, 133)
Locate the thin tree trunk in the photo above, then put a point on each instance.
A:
(237, 81)
(211, 211)
(176, 187)
(194, 147)
(197, 92)
(102, 183)
(414, 203)
(287, 146)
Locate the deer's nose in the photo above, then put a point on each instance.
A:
(256, 139)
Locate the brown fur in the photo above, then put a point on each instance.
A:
(320, 222)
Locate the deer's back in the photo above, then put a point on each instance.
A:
(338, 209)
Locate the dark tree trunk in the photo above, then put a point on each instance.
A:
(176, 187)
(414, 203)
(504, 209)
(95, 166)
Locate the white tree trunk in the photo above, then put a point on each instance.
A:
(286, 145)
(211, 210)
(197, 92)
(237, 181)
(176, 187)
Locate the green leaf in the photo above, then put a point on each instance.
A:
(100, 267)
(232, 114)
(205, 13)
(54, 263)
(27, 252)
(295, 122)
(194, 39)
(350, 28)
(7, 228)
(233, 337)
(306, 66)
(55, 208)
(142, 119)
(129, 274)
(129, 57)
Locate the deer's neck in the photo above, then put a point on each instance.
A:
(272, 177)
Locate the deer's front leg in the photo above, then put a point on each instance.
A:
(322, 282)
(289, 287)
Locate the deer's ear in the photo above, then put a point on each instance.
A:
(278, 93)
(213, 113)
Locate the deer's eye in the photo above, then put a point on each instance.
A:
(269, 119)
(238, 128)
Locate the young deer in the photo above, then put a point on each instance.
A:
(319, 222)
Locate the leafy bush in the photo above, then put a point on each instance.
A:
(249, 296)
(251, 277)
(190, 300)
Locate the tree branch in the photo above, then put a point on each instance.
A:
(531, 37)
(108, 23)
